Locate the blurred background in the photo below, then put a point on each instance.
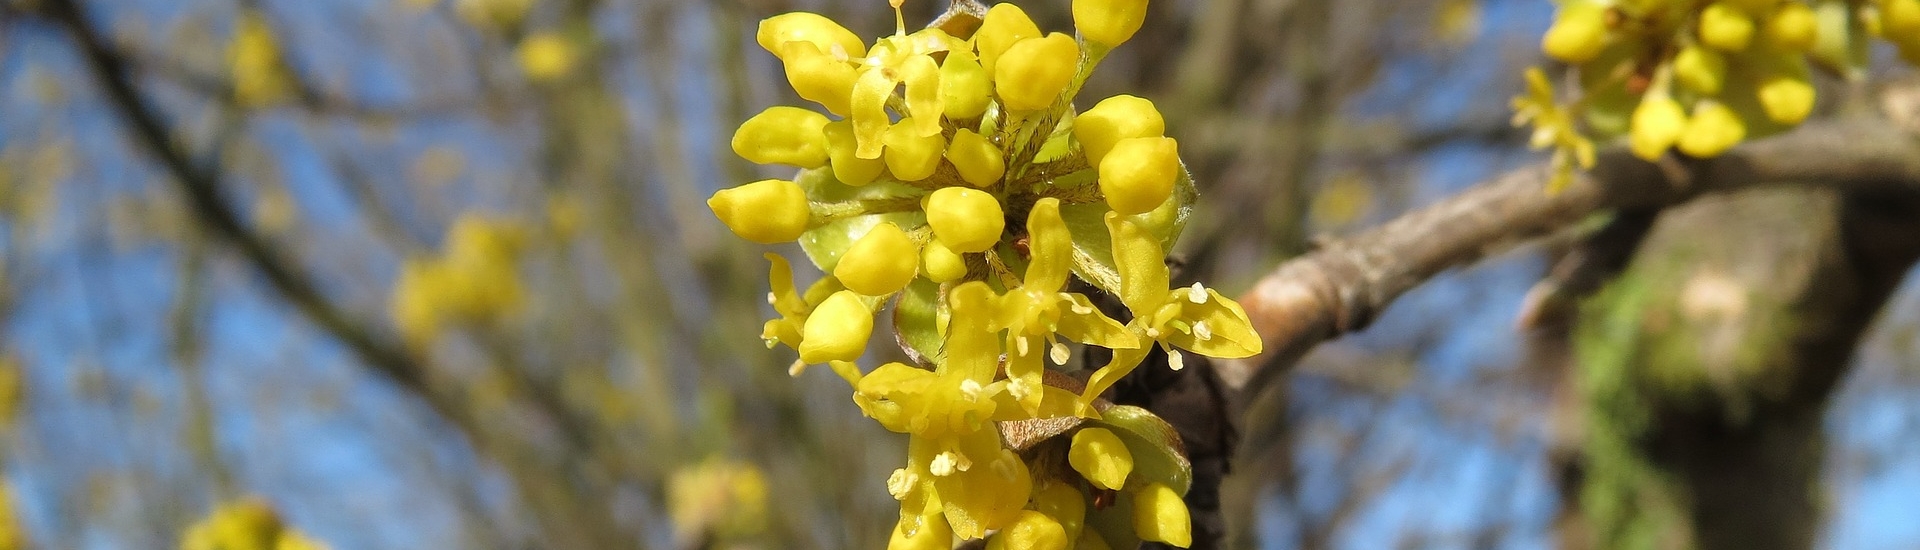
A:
(227, 231)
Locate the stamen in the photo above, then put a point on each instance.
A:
(1175, 360)
(943, 464)
(1059, 354)
(901, 483)
(970, 389)
(771, 299)
(1197, 294)
(1201, 330)
(1020, 345)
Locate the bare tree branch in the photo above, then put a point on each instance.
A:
(1342, 286)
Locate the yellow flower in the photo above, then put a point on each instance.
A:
(849, 168)
(979, 161)
(1114, 119)
(783, 135)
(1197, 319)
(1578, 34)
(837, 330)
(941, 264)
(1725, 27)
(1109, 22)
(1101, 457)
(965, 220)
(1159, 515)
(1657, 123)
(249, 524)
(1553, 126)
(1700, 69)
(1138, 174)
(793, 307)
(545, 56)
(811, 28)
(1030, 531)
(1004, 25)
(765, 211)
(1038, 309)
(1794, 27)
(718, 496)
(1033, 72)
(910, 155)
(881, 263)
(259, 78)
(1787, 96)
(1712, 130)
(966, 88)
(893, 61)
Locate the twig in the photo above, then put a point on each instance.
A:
(1341, 287)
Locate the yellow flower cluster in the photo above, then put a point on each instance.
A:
(249, 524)
(1700, 76)
(254, 63)
(718, 497)
(476, 280)
(952, 181)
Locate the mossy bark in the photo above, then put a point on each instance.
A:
(1703, 371)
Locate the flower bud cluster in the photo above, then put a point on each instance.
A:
(1704, 76)
(475, 280)
(939, 176)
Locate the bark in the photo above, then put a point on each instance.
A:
(1705, 369)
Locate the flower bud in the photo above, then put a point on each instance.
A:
(977, 158)
(1090, 540)
(965, 86)
(1786, 97)
(765, 211)
(880, 263)
(1724, 27)
(837, 330)
(783, 135)
(1900, 18)
(820, 77)
(965, 220)
(1578, 34)
(1794, 27)
(1033, 72)
(1101, 457)
(1030, 531)
(1711, 130)
(1159, 515)
(850, 169)
(1065, 504)
(802, 26)
(1114, 119)
(1109, 22)
(1138, 174)
(1657, 123)
(940, 263)
(910, 156)
(1700, 69)
(934, 534)
(1004, 25)
(545, 56)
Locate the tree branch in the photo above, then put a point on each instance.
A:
(200, 185)
(1341, 287)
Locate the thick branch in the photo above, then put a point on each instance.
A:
(1343, 285)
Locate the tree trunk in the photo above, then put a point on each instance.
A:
(1704, 370)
